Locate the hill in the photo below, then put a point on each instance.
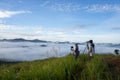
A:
(100, 67)
(23, 40)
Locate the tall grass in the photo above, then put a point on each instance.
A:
(64, 68)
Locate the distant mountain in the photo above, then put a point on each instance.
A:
(23, 40)
(65, 42)
(35, 40)
(58, 42)
(115, 45)
(18, 40)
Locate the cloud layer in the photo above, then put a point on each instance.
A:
(52, 34)
(70, 7)
(63, 7)
(7, 13)
(102, 8)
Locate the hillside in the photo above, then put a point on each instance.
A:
(101, 67)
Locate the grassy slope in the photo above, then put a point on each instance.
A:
(101, 67)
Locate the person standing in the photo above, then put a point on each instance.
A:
(72, 50)
(91, 48)
(76, 51)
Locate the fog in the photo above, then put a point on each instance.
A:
(28, 51)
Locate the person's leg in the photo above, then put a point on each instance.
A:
(77, 55)
(91, 55)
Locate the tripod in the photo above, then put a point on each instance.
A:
(85, 48)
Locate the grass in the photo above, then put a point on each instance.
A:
(100, 67)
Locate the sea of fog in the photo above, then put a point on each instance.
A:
(28, 51)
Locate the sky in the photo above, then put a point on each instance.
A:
(61, 20)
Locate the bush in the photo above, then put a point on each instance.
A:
(116, 51)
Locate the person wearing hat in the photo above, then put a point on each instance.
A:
(91, 48)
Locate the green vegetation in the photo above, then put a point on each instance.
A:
(100, 67)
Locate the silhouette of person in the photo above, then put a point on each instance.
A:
(116, 51)
(72, 50)
(76, 51)
(91, 48)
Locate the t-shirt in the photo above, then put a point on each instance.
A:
(91, 48)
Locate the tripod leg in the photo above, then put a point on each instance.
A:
(84, 50)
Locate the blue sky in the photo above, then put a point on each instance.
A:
(61, 20)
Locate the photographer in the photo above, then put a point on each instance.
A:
(91, 48)
(77, 52)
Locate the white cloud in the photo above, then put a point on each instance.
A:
(102, 8)
(107, 38)
(7, 13)
(63, 7)
(98, 38)
(26, 32)
(32, 32)
(44, 4)
(82, 26)
(43, 33)
(70, 7)
(6, 28)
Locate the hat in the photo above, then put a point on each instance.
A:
(91, 41)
